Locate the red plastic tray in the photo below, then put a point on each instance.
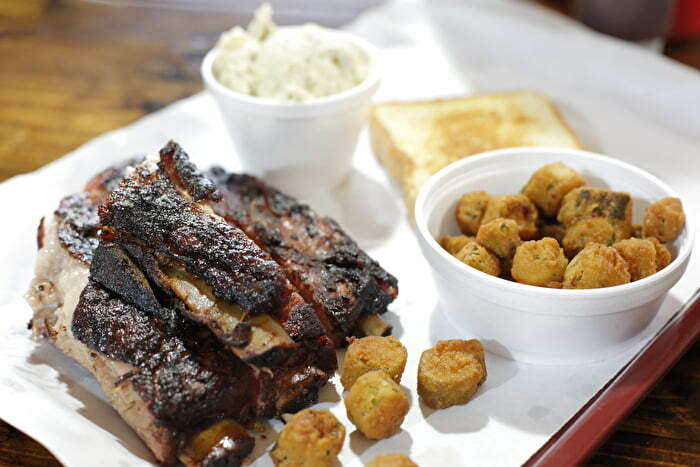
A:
(586, 431)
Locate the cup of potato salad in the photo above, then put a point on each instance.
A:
(293, 98)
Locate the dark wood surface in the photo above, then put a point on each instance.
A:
(70, 70)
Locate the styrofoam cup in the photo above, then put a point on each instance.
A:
(537, 324)
(300, 147)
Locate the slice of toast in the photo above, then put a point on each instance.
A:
(413, 140)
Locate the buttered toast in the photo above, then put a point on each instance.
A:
(413, 140)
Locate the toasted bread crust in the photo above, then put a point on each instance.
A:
(410, 172)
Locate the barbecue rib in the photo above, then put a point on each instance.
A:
(193, 324)
(323, 262)
(67, 242)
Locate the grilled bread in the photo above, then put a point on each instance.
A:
(413, 140)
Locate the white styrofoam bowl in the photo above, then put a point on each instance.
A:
(300, 147)
(537, 324)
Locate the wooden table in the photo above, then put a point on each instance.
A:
(70, 70)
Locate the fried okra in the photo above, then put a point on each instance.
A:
(586, 203)
(392, 460)
(453, 244)
(516, 207)
(470, 211)
(585, 231)
(451, 372)
(500, 236)
(478, 257)
(311, 438)
(596, 266)
(663, 256)
(373, 353)
(541, 263)
(548, 185)
(376, 405)
(664, 219)
(640, 255)
(552, 229)
(581, 233)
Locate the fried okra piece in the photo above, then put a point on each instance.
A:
(516, 207)
(548, 185)
(376, 405)
(551, 228)
(586, 203)
(391, 460)
(541, 263)
(596, 266)
(453, 244)
(585, 231)
(663, 255)
(373, 353)
(310, 438)
(470, 211)
(451, 372)
(664, 220)
(640, 255)
(478, 257)
(500, 236)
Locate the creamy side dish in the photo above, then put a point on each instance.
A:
(292, 63)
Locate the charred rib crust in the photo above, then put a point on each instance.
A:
(78, 225)
(176, 163)
(148, 209)
(78, 213)
(102, 184)
(187, 377)
(326, 265)
(149, 266)
(113, 268)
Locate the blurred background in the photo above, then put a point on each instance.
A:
(72, 69)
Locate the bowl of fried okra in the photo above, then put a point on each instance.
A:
(552, 255)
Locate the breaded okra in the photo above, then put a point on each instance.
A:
(376, 405)
(640, 255)
(451, 372)
(516, 207)
(310, 438)
(373, 353)
(480, 258)
(596, 266)
(453, 244)
(594, 230)
(470, 211)
(664, 219)
(500, 236)
(548, 185)
(541, 263)
(587, 202)
(392, 460)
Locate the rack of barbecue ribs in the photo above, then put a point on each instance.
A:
(200, 304)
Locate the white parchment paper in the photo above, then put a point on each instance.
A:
(621, 100)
